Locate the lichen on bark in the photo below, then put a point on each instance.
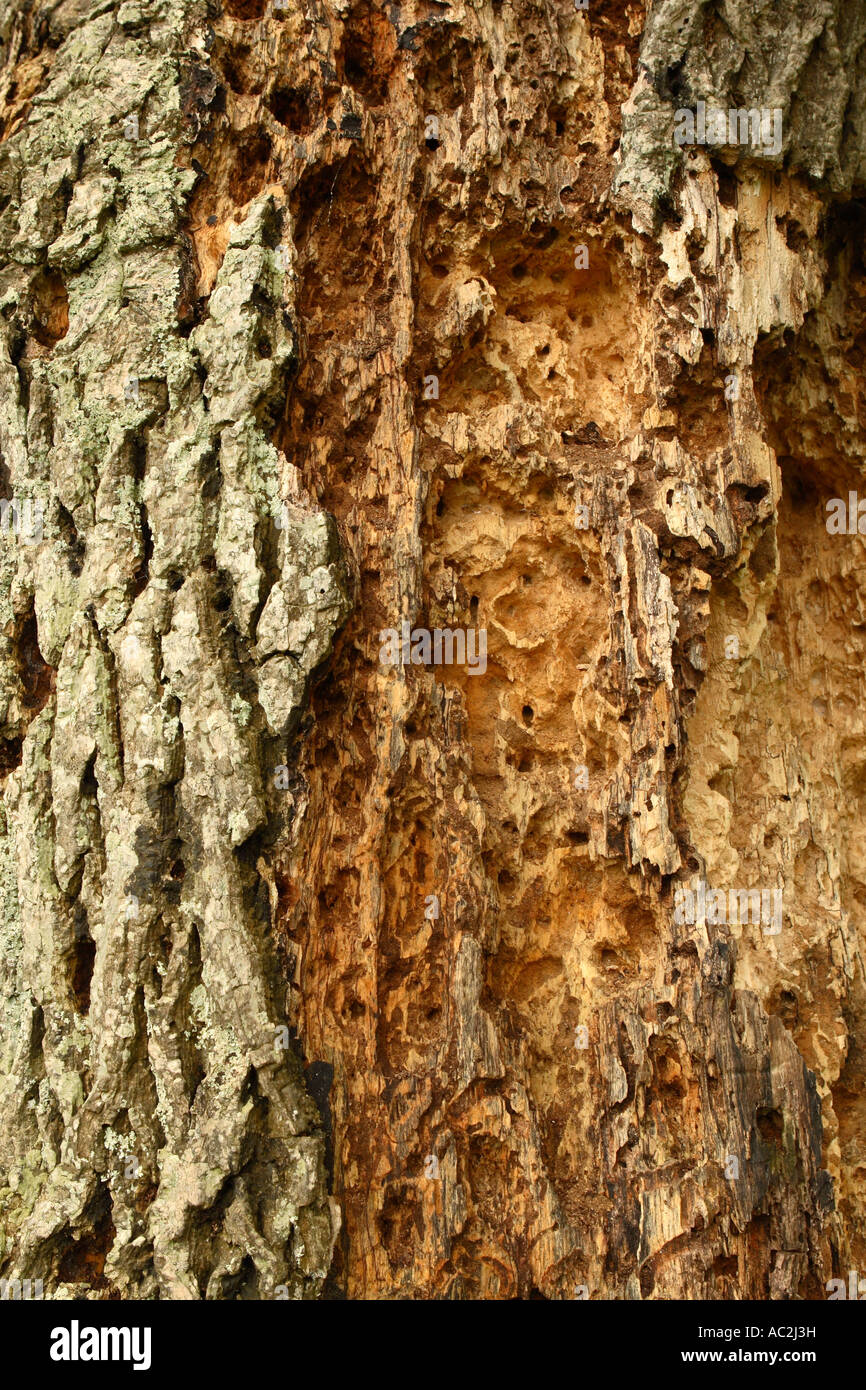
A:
(149, 1103)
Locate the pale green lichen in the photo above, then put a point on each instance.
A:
(141, 777)
(806, 62)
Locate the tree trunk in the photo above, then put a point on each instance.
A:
(332, 966)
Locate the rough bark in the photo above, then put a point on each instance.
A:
(299, 948)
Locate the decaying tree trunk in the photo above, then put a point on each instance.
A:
(328, 972)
